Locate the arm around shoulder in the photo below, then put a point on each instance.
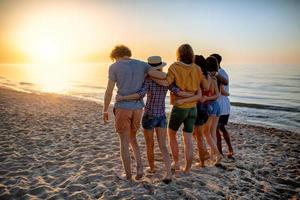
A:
(223, 79)
(156, 74)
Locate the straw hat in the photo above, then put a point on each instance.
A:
(155, 61)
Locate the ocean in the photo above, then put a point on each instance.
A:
(265, 95)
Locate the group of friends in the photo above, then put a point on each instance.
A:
(199, 93)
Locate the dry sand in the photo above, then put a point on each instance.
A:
(52, 147)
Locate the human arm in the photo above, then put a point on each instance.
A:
(196, 97)
(128, 97)
(223, 91)
(222, 77)
(215, 89)
(176, 90)
(154, 73)
(162, 82)
(107, 99)
(162, 78)
(138, 95)
(185, 94)
(204, 84)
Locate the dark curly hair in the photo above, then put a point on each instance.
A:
(119, 52)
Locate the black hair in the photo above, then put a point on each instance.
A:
(217, 56)
(201, 62)
(212, 64)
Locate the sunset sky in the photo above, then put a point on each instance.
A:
(243, 32)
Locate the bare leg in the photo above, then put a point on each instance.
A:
(227, 139)
(214, 125)
(125, 155)
(148, 134)
(161, 138)
(188, 151)
(137, 155)
(210, 140)
(201, 148)
(174, 148)
(219, 141)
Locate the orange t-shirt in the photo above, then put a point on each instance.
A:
(187, 78)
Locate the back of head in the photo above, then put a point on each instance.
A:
(120, 51)
(217, 56)
(212, 64)
(201, 62)
(185, 54)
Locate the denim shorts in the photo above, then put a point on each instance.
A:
(213, 108)
(202, 114)
(150, 122)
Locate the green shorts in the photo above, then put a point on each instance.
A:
(187, 116)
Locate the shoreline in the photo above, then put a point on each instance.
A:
(54, 147)
(231, 121)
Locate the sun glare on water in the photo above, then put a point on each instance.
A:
(52, 78)
(54, 85)
(50, 39)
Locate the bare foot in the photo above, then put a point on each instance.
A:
(230, 154)
(175, 167)
(123, 177)
(139, 173)
(200, 164)
(149, 170)
(186, 171)
(218, 159)
(138, 176)
(207, 156)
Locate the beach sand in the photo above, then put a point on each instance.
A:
(52, 147)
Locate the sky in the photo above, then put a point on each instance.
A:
(243, 32)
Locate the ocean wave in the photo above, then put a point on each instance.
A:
(12, 87)
(8, 84)
(266, 107)
(89, 86)
(27, 83)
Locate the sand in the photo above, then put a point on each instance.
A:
(52, 147)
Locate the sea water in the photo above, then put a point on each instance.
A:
(266, 95)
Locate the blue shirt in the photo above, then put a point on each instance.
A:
(129, 76)
(224, 101)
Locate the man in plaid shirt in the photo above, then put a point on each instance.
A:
(154, 115)
(155, 104)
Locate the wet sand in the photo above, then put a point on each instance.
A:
(52, 147)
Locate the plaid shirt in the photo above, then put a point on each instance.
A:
(156, 94)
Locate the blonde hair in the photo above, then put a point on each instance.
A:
(120, 51)
(185, 54)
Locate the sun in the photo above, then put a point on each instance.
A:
(65, 35)
(47, 49)
(54, 38)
